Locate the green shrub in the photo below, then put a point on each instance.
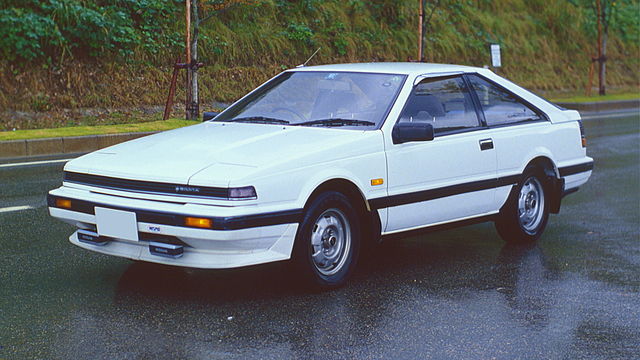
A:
(299, 32)
(49, 29)
(27, 35)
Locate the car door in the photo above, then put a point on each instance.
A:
(450, 177)
(517, 128)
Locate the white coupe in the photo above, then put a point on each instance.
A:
(323, 161)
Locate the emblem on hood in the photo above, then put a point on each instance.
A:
(187, 189)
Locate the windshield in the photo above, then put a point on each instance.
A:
(328, 99)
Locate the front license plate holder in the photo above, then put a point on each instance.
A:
(117, 224)
(90, 237)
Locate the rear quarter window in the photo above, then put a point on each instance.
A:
(500, 106)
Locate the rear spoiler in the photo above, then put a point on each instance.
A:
(567, 115)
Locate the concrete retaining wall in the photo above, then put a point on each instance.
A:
(31, 148)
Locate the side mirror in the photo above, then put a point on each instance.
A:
(412, 131)
(208, 115)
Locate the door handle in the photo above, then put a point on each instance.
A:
(486, 144)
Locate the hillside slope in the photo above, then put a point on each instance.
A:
(546, 46)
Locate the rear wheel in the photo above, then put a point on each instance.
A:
(328, 240)
(524, 217)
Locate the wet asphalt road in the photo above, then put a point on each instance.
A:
(458, 294)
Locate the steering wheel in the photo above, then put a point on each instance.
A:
(282, 108)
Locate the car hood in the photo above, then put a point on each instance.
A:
(226, 150)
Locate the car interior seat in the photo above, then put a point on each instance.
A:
(330, 103)
(423, 108)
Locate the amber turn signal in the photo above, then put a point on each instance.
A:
(375, 182)
(63, 203)
(198, 222)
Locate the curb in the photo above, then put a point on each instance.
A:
(32, 148)
(601, 106)
(16, 150)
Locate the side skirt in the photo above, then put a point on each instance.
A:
(439, 226)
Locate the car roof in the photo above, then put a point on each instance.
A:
(405, 68)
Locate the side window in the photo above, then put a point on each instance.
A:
(500, 106)
(444, 102)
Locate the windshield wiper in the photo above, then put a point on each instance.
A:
(337, 122)
(259, 120)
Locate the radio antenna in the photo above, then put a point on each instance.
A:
(309, 59)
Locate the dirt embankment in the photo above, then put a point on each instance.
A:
(546, 46)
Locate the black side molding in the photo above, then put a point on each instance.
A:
(575, 169)
(432, 194)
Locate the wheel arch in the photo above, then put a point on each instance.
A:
(553, 181)
(371, 224)
(544, 162)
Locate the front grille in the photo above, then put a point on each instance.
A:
(146, 186)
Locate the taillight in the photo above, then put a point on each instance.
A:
(582, 136)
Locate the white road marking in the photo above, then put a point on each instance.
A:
(15, 208)
(34, 163)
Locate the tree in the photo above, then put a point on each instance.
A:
(603, 16)
(193, 9)
(604, 10)
(427, 9)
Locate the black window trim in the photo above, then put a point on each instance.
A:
(460, 131)
(479, 115)
(476, 101)
(542, 114)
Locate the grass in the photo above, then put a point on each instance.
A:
(95, 130)
(160, 125)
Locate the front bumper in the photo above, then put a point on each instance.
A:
(234, 242)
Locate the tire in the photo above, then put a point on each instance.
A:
(328, 241)
(524, 217)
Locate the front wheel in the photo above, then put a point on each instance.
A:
(328, 240)
(525, 216)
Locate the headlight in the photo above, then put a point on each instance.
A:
(243, 193)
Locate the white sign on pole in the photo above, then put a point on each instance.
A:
(495, 55)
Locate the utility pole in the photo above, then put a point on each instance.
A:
(187, 61)
(425, 23)
(601, 50)
(192, 105)
(193, 19)
(420, 22)
(193, 63)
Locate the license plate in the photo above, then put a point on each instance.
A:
(117, 223)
